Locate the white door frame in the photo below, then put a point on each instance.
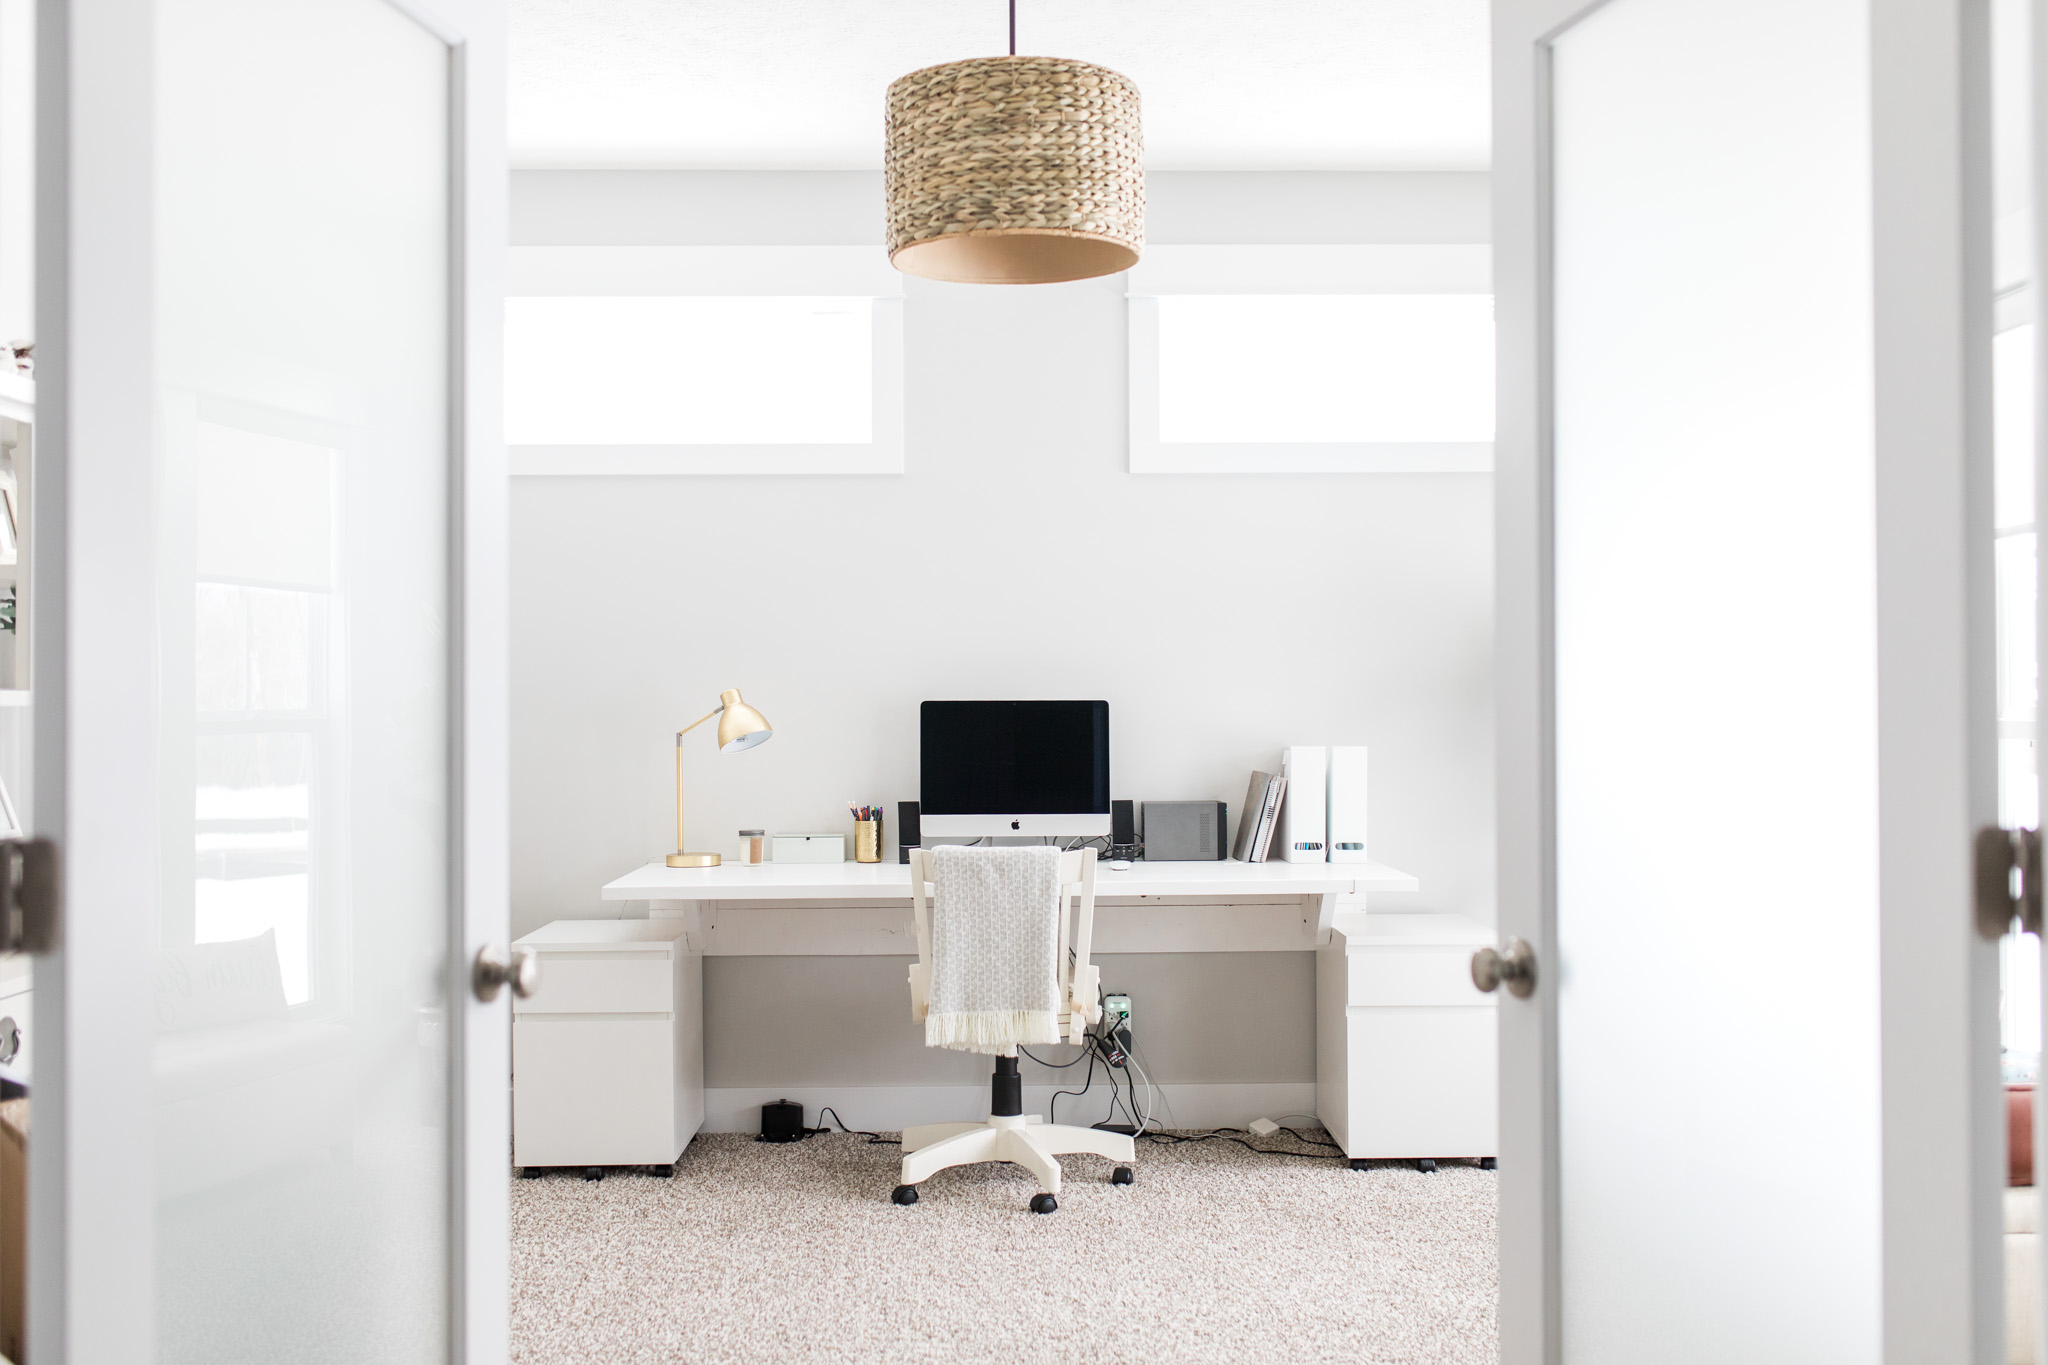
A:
(91, 1199)
(1942, 1113)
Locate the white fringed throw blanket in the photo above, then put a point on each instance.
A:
(995, 944)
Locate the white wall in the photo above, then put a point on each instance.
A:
(1221, 616)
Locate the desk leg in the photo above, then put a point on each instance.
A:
(1325, 908)
(1333, 1059)
(688, 998)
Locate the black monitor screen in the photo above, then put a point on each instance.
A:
(1015, 758)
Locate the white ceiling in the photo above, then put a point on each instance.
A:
(1252, 84)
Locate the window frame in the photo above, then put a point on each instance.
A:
(1377, 268)
(724, 272)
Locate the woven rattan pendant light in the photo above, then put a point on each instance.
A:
(1014, 170)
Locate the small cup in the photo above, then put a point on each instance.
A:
(867, 841)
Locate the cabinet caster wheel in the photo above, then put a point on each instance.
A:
(1044, 1203)
(905, 1194)
(1487, 1163)
(1358, 1163)
(662, 1172)
(1121, 1176)
(1426, 1164)
(530, 1172)
(593, 1172)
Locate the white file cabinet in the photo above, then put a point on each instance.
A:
(1407, 1062)
(608, 1054)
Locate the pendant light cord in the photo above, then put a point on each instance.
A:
(1013, 28)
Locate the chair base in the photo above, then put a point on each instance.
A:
(1020, 1139)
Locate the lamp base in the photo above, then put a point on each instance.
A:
(693, 860)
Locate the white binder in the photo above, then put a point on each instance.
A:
(1304, 831)
(1347, 803)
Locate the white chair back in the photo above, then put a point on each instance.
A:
(1080, 983)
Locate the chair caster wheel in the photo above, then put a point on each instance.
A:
(593, 1172)
(905, 1194)
(1358, 1163)
(1488, 1163)
(1426, 1164)
(1044, 1203)
(1121, 1176)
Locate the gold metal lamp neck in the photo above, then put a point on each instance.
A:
(740, 727)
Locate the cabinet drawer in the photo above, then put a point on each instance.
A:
(615, 982)
(1413, 976)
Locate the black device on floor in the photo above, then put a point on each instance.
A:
(782, 1121)
(907, 836)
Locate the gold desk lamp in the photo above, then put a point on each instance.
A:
(740, 726)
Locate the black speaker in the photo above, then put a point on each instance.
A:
(907, 836)
(1123, 822)
(782, 1121)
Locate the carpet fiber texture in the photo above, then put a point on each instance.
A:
(763, 1253)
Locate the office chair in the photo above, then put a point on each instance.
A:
(1008, 1134)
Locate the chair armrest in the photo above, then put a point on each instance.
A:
(918, 1005)
(1085, 997)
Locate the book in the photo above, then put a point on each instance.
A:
(1248, 816)
(1269, 819)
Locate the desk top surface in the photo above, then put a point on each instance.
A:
(657, 881)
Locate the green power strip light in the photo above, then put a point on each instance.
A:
(1117, 1007)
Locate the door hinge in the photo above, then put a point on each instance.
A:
(31, 896)
(2008, 868)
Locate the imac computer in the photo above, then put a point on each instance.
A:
(1013, 768)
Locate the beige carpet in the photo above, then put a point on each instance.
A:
(759, 1253)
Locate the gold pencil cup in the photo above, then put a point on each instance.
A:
(867, 841)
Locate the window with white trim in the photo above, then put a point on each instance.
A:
(703, 360)
(1312, 359)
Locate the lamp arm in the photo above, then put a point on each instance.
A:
(680, 846)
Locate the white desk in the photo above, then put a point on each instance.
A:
(1405, 1050)
(862, 908)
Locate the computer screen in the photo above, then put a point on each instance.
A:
(987, 766)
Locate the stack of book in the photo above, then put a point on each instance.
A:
(1261, 814)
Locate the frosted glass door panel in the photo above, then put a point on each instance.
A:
(1715, 684)
(302, 1138)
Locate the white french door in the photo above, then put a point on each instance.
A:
(270, 1116)
(1751, 1110)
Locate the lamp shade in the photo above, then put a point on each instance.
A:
(1014, 170)
(740, 726)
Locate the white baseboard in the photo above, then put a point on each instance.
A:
(887, 1108)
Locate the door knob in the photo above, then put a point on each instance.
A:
(1513, 965)
(493, 970)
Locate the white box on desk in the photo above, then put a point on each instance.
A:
(809, 848)
(1346, 804)
(1304, 815)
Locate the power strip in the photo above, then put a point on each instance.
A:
(1116, 1022)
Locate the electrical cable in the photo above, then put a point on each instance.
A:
(1143, 1123)
(873, 1138)
(1135, 1050)
(1052, 1111)
(1225, 1135)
